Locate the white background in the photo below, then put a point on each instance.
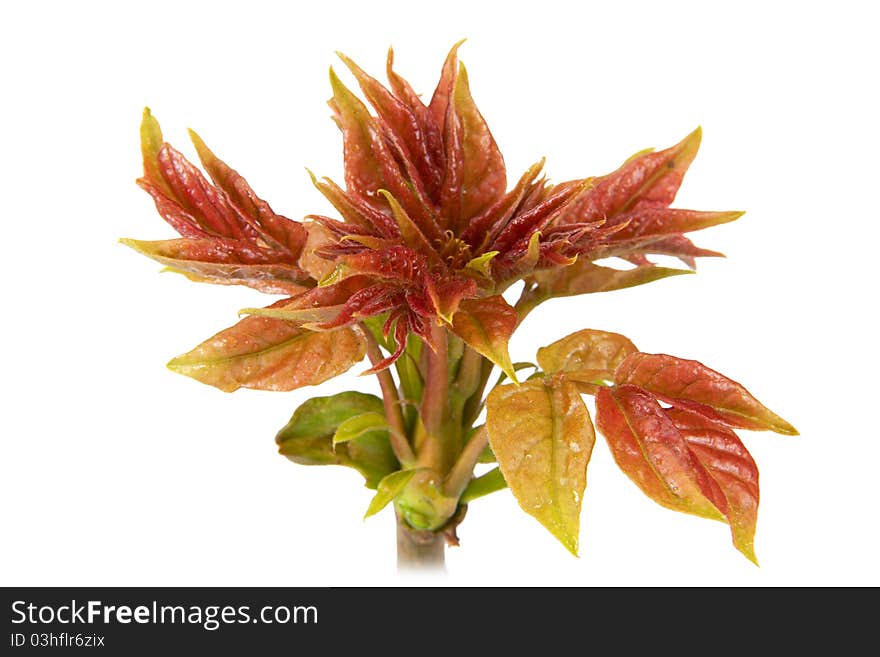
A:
(115, 471)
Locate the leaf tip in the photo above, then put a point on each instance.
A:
(786, 428)
(570, 541)
(151, 134)
(745, 545)
(201, 148)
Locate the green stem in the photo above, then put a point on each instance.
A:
(469, 371)
(391, 400)
(475, 402)
(463, 469)
(435, 398)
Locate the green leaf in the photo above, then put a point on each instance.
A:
(357, 426)
(321, 416)
(599, 352)
(270, 354)
(486, 326)
(542, 436)
(388, 489)
(307, 438)
(483, 485)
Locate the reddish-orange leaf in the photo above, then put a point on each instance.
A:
(731, 466)
(313, 307)
(397, 263)
(486, 326)
(404, 127)
(226, 262)
(523, 226)
(652, 222)
(440, 100)
(283, 233)
(645, 181)
(353, 210)
(584, 277)
(475, 176)
(270, 354)
(432, 133)
(231, 236)
(650, 449)
(691, 384)
(482, 229)
(370, 164)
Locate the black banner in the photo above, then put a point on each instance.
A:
(268, 621)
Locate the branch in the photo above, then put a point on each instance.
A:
(391, 400)
(463, 469)
(434, 399)
(526, 303)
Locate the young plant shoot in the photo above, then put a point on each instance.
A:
(409, 273)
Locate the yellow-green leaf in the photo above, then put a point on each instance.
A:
(151, 142)
(483, 485)
(357, 426)
(388, 489)
(542, 436)
(482, 264)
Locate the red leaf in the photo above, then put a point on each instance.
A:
(354, 210)
(403, 125)
(731, 466)
(691, 384)
(483, 228)
(651, 451)
(646, 180)
(227, 262)
(656, 222)
(431, 131)
(524, 224)
(397, 263)
(230, 234)
(282, 232)
(682, 460)
(475, 175)
(370, 164)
